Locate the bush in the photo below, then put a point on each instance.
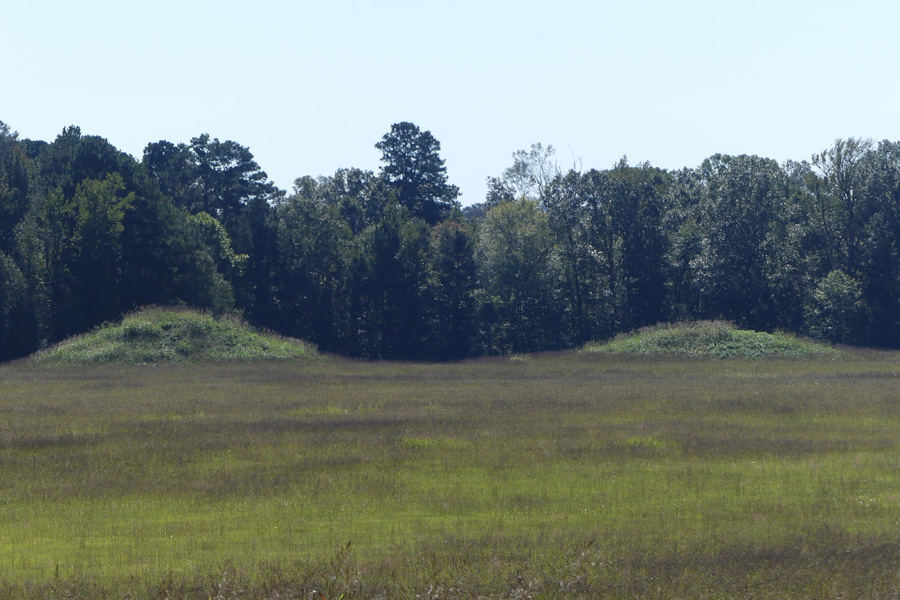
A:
(156, 335)
(710, 339)
(836, 309)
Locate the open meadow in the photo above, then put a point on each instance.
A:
(551, 476)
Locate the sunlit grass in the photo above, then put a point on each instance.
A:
(586, 474)
(711, 339)
(166, 335)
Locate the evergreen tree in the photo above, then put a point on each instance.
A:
(416, 173)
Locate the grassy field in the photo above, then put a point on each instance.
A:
(553, 476)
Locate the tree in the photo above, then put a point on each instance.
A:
(416, 172)
(565, 203)
(221, 179)
(515, 255)
(311, 281)
(498, 191)
(744, 218)
(836, 309)
(228, 178)
(98, 265)
(99, 239)
(532, 171)
(390, 286)
(14, 186)
(359, 195)
(454, 280)
(15, 314)
(880, 247)
(852, 203)
(175, 169)
(608, 226)
(208, 175)
(840, 201)
(638, 214)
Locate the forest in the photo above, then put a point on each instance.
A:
(389, 264)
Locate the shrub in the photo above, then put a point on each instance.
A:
(155, 335)
(710, 339)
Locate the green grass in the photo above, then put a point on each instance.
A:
(165, 335)
(572, 475)
(711, 339)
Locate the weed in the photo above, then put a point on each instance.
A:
(711, 339)
(163, 335)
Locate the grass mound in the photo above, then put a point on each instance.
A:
(711, 339)
(166, 335)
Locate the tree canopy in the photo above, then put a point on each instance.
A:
(416, 173)
(389, 264)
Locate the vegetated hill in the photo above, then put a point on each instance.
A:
(711, 339)
(166, 335)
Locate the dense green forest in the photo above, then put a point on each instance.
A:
(390, 265)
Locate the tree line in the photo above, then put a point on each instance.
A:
(388, 264)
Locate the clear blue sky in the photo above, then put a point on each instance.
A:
(311, 87)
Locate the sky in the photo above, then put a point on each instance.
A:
(311, 87)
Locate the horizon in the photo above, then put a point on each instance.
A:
(310, 89)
